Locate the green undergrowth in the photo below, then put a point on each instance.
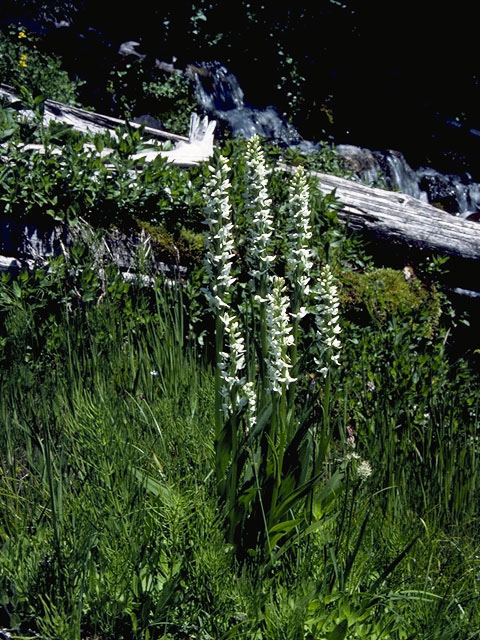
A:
(381, 293)
(110, 525)
(24, 66)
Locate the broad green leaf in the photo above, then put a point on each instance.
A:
(340, 631)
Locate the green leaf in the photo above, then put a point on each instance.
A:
(285, 526)
(153, 485)
(391, 567)
(7, 133)
(340, 631)
(283, 529)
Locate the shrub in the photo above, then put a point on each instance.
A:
(23, 65)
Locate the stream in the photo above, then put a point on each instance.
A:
(220, 96)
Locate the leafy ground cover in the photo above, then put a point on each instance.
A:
(279, 445)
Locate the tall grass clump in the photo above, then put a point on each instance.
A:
(103, 434)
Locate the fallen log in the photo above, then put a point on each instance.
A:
(81, 119)
(186, 152)
(408, 229)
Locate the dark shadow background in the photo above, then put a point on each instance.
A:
(374, 74)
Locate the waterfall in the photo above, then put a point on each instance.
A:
(389, 169)
(219, 95)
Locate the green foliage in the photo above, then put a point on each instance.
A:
(77, 177)
(172, 95)
(109, 522)
(183, 247)
(112, 459)
(139, 88)
(22, 65)
(324, 160)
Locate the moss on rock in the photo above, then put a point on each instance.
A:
(383, 293)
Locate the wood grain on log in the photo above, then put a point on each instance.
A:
(403, 225)
(402, 218)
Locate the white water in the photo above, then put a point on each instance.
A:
(220, 95)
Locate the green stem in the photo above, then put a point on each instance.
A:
(263, 342)
(295, 368)
(234, 483)
(278, 441)
(219, 465)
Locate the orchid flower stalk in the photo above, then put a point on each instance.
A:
(236, 392)
(232, 390)
(218, 267)
(258, 241)
(327, 315)
(279, 337)
(219, 239)
(299, 255)
(259, 254)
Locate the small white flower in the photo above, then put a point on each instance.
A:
(352, 455)
(154, 372)
(251, 397)
(364, 470)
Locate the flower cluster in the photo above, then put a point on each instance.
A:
(258, 213)
(327, 317)
(363, 468)
(231, 362)
(279, 337)
(299, 255)
(235, 391)
(219, 239)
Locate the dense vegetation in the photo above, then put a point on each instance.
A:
(277, 445)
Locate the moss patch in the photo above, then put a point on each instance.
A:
(184, 247)
(383, 293)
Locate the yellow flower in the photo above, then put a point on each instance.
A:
(21, 34)
(23, 60)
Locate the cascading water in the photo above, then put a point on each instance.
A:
(220, 95)
(452, 193)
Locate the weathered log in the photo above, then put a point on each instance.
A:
(402, 218)
(187, 151)
(409, 227)
(83, 120)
